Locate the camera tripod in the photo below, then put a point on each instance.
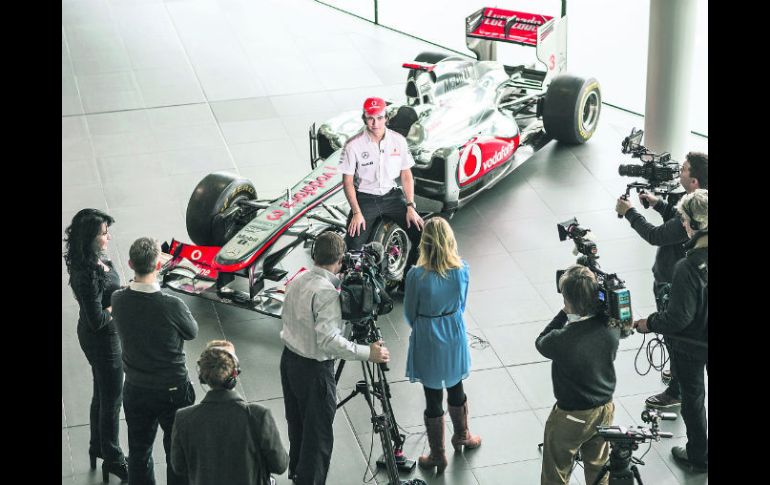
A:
(621, 471)
(375, 384)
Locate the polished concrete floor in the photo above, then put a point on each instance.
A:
(155, 95)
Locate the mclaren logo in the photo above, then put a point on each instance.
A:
(471, 163)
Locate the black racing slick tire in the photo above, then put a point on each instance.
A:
(213, 195)
(571, 108)
(397, 246)
(430, 58)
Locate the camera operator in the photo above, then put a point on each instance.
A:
(312, 335)
(583, 346)
(684, 324)
(669, 237)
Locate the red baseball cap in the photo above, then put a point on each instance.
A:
(374, 106)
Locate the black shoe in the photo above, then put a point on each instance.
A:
(680, 456)
(119, 469)
(93, 455)
(662, 401)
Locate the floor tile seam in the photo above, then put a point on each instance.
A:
(128, 110)
(134, 82)
(207, 101)
(100, 179)
(156, 152)
(73, 76)
(539, 460)
(349, 421)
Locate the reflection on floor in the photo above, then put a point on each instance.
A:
(155, 95)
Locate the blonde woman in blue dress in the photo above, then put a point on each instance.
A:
(434, 301)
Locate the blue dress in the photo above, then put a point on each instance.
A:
(438, 347)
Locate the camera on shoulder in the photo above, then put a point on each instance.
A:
(614, 299)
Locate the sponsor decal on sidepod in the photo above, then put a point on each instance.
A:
(482, 155)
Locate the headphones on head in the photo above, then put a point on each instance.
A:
(686, 209)
(231, 380)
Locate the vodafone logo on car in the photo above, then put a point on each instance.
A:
(482, 155)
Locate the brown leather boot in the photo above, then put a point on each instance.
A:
(462, 436)
(437, 456)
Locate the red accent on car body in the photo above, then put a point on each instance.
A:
(523, 30)
(202, 257)
(421, 66)
(483, 154)
(231, 268)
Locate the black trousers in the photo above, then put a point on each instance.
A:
(391, 205)
(673, 389)
(145, 409)
(310, 401)
(103, 352)
(693, 386)
(435, 397)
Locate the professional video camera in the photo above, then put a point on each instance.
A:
(613, 295)
(362, 291)
(363, 298)
(660, 173)
(623, 441)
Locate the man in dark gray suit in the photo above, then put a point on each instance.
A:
(225, 439)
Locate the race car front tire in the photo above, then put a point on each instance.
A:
(571, 108)
(397, 245)
(214, 194)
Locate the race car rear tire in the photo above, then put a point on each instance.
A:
(430, 58)
(571, 108)
(212, 196)
(397, 246)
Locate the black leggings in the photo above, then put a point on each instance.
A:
(434, 398)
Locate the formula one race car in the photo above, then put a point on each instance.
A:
(468, 124)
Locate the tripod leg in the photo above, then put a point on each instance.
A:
(337, 374)
(638, 477)
(604, 471)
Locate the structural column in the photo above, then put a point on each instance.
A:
(670, 52)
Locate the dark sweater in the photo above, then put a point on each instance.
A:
(93, 298)
(226, 440)
(685, 322)
(583, 352)
(152, 329)
(669, 237)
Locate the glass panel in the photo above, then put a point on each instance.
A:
(607, 40)
(362, 8)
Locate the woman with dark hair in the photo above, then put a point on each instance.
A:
(93, 279)
(434, 302)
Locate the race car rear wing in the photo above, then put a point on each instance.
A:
(487, 26)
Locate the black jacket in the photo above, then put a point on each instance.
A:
(583, 353)
(685, 322)
(93, 298)
(669, 237)
(226, 440)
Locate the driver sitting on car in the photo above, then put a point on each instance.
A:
(371, 162)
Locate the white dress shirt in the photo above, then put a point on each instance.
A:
(312, 319)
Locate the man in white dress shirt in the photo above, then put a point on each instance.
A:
(312, 335)
(371, 162)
